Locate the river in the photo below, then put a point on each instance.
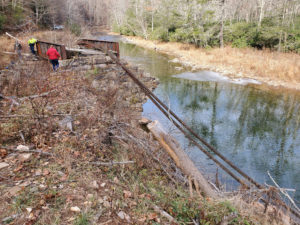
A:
(257, 129)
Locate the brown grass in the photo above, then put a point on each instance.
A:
(273, 68)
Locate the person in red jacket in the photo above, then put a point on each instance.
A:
(53, 56)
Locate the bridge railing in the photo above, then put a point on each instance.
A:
(105, 46)
(42, 48)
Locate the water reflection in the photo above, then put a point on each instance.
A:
(257, 130)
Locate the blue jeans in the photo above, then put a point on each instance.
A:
(55, 64)
(32, 48)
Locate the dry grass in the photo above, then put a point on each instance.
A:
(273, 68)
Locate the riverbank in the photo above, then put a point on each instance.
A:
(72, 152)
(279, 70)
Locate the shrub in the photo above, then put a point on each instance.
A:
(240, 43)
(125, 30)
(18, 15)
(160, 34)
(2, 21)
(75, 29)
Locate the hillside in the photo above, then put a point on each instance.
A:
(73, 152)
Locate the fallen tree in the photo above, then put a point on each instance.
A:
(181, 159)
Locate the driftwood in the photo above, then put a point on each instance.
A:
(164, 214)
(284, 192)
(31, 151)
(181, 158)
(112, 163)
(14, 53)
(9, 35)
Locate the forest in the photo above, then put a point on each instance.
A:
(272, 24)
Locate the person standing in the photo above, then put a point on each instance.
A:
(53, 56)
(31, 43)
(18, 49)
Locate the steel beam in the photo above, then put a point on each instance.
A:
(105, 46)
(42, 48)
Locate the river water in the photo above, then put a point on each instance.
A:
(257, 129)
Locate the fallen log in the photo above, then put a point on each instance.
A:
(14, 53)
(9, 35)
(181, 158)
(112, 163)
(27, 150)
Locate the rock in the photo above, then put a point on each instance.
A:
(175, 60)
(22, 148)
(90, 196)
(61, 173)
(116, 180)
(144, 121)
(95, 185)
(111, 75)
(101, 66)
(3, 165)
(25, 157)
(127, 194)
(42, 187)
(14, 190)
(96, 84)
(75, 209)
(99, 60)
(66, 123)
(25, 184)
(38, 172)
(108, 59)
(106, 204)
(123, 216)
(34, 189)
(29, 210)
(46, 172)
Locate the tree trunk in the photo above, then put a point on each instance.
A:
(261, 15)
(222, 25)
(152, 16)
(181, 158)
(36, 13)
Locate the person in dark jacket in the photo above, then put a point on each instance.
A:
(53, 56)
